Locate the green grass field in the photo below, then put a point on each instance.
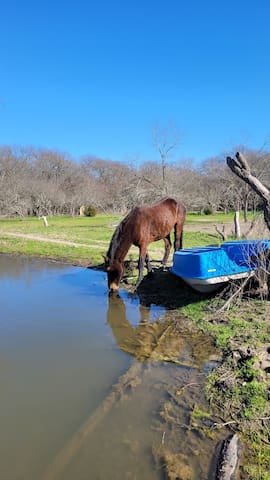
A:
(91, 236)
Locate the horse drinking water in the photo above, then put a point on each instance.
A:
(140, 227)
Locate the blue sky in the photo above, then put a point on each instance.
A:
(94, 78)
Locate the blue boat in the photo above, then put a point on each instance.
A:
(206, 269)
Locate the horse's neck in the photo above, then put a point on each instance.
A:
(120, 251)
(120, 242)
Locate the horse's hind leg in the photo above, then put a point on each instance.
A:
(178, 236)
(168, 244)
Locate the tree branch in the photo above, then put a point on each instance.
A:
(221, 232)
(241, 169)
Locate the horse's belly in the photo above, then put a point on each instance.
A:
(156, 236)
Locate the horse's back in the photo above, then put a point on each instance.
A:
(151, 223)
(169, 208)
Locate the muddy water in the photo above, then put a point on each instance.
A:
(63, 345)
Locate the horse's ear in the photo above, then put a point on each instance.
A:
(106, 258)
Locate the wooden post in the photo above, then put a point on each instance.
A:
(237, 231)
(82, 209)
(45, 220)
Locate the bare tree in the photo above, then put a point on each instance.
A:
(114, 182)
(48, 182)
(166, 139)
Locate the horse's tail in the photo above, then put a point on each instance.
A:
(178, 230)
(182, 211)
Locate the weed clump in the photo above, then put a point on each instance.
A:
(90, 211)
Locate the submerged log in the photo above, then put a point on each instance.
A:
(229, 459)
(128, 380)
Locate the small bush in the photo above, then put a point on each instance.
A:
(90, 211)
(208, 210)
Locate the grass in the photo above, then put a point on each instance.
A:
(68, 254)
(245, 324)
(238, 389)
(91, 235)
(74, 229)
(223, 218)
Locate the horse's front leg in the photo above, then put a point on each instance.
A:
(148, 263)
(168, 244)
(142, 257)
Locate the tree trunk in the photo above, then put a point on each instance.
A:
(237, 230)
(266, 214)
(163, 167)
(246, 209)
(241, 168)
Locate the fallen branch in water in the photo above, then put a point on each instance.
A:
(217, 425)
(63, 458)
(126, 382)
(192, 384)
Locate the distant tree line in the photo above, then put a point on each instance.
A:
(46, 182)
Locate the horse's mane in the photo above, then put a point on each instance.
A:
(117, 238)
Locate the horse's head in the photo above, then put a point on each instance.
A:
(114, 271)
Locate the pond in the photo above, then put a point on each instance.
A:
(87, 381)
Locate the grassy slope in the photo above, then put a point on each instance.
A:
(91, 235)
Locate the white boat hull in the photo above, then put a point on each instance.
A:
(208, 285)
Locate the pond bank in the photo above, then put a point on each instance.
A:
(238, 390)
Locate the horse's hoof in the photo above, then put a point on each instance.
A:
(162, 267)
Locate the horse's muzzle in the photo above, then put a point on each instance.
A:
(113, 287)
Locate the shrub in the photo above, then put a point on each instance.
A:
(208, 210)
(90, 211)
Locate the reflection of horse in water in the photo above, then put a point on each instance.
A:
(127, 337)
(161, 339)
(141, 227)
(145, 340)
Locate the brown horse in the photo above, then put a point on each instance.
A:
(140, 227)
